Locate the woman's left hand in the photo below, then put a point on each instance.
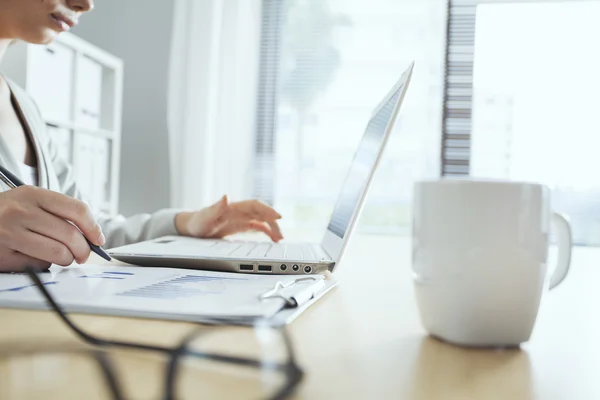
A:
(224, 219)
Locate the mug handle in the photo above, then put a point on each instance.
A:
(565, 244)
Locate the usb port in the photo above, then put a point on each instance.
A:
(246, 267)
(265, 268)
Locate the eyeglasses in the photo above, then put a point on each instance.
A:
(254, 360)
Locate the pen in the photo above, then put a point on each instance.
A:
(13, 182)
(301, 297)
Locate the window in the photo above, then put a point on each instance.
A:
(536, 98)
(514, 87)
(325, 65)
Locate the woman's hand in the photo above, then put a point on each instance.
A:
(34, 231)
(224, 219)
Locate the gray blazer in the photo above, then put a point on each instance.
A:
(56, 174)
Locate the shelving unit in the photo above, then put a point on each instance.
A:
(79, 90)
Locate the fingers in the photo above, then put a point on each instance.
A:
(263, 227)
(73, 210)
(12, 261)
(277, 236)
(259, 211)
(241, 221)
(42, 248)
(245, 225)
(56, 228)
(256, 209)
(249, 215)
(224, 219)
(34, 229)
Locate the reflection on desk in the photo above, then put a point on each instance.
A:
(364, 340)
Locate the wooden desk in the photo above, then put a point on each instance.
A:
(364, 340)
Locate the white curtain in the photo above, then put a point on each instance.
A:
(212, 99)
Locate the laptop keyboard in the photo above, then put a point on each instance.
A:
(282, 251)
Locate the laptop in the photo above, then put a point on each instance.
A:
(285, 258)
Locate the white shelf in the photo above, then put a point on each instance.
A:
(79, 89)
(101, 133)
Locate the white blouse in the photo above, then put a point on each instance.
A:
(29, 175)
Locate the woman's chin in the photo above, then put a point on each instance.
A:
(44, 36)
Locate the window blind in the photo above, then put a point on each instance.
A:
(458, 88)
(268, 81)
(457, 120)
(521, 97)
(325, 65)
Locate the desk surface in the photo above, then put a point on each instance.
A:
(364, 340)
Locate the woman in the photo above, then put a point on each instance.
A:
(33, 227)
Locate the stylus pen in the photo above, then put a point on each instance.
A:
(13, 182)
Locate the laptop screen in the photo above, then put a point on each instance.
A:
(362, 164)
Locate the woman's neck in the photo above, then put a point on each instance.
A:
(4, 43)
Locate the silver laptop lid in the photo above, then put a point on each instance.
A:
(365, 162)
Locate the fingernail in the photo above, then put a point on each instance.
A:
(279, 216)
(102, 239)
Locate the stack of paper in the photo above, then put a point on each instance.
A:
(157, 292)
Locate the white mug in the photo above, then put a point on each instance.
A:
(480, 252)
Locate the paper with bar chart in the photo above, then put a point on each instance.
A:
(167, 293)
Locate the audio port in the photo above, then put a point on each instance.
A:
(283, 267)
(307, 269)
(295, 267)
